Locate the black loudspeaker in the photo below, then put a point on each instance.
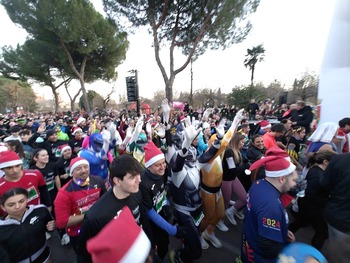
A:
(283, 98)
(131, 89)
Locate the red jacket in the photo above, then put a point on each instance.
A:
(73, 199)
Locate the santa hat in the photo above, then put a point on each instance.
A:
(341, 135)
(277, 151)
(264, 124)
(3, 147)
(275, 166)
(76, 129)
(8, 159)
(80, 120)
(134, 246)
(74, 163)
(12, 138)
(152, 154)
(64, 147)
(182, 118)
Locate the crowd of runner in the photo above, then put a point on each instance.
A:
(97, 178)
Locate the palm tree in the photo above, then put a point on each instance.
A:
(253, 56)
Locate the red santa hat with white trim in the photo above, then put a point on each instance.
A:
(75, 162)
(275, 166)
(3, 147)
(8, 159)
(273, 151)
(64, 147)
(80, 120)
(152, 154)
(76, 129)
(264, 124)
(341, 135)
(277, 151)
(134, 246)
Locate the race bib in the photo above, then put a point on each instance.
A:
(67, 170)
(58, 153)
(160, 202)
(50, 185)
(198, 219)
(32, 193)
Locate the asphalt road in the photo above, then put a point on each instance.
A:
(228, 253)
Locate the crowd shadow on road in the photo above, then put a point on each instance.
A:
(59, 253)
(228, 253)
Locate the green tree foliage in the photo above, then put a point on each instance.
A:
(29, 62)
(95, 100)
(241, 96)
(253, 56)
(16, 93)
(274, 90)
(190, 26)
(92, 45)
(305, 87)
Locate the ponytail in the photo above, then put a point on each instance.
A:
(319, 157)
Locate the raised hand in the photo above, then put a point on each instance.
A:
(207, 113)
(106, 135)
(160, 131)
(220, 129)
(190, 133)
(239, 116)
(166, 110)
(112, 129)
(139, 124)
(42, 127)
(148, 128)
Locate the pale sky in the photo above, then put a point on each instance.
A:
(293, 32)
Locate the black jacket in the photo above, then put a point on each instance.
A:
(304, 118)
(336, 179)
(22, 239)
(254, 154)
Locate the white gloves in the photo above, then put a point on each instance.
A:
(239, 116)
(112, 129)
(207, 113)
(106, 136)
(148, 127)
(220, 129)
(190, 133)
(166, 111)
(160, 131)
(139, 124)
